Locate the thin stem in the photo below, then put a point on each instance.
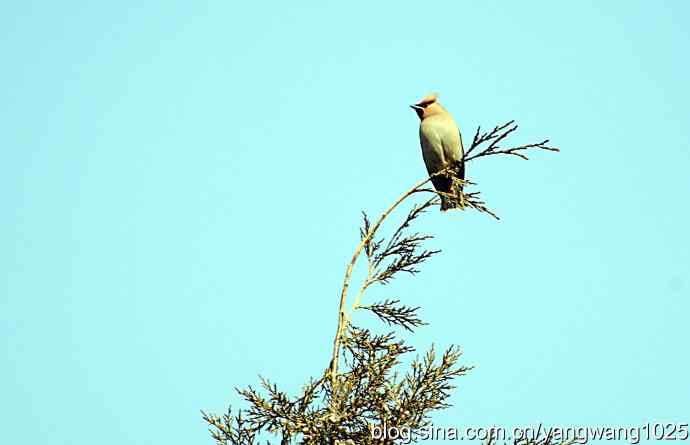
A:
(348, 275)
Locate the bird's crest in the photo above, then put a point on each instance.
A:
(429, 99)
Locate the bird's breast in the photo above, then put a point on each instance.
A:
(440, 140)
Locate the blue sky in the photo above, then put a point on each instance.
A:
(181, 186)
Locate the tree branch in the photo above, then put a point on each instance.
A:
(495, 136)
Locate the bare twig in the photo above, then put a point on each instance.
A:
(495, 136)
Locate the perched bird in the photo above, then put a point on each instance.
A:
(441, 147)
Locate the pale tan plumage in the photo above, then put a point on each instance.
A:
(441, 143)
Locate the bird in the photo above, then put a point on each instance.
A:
(441, 143)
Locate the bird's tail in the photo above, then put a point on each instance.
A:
(454, 198)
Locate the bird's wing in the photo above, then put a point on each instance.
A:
(452, 145)
(431, 137)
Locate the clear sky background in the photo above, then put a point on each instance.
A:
(181, 185)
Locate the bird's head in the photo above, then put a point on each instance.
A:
(428, 106)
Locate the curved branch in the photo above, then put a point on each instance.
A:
(417, 188)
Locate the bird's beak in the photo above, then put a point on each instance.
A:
(416, 107)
